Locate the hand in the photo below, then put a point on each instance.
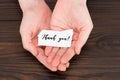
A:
(34, 20)
(69, 14)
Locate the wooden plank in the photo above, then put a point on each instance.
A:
(9, 31)
(9, 9)
(19, 64)
(99, 59)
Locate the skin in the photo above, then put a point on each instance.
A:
(73, 14)
(34, 20)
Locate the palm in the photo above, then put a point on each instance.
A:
(32, 23)
(70, 16)
(34, 20)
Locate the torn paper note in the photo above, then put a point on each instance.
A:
(55, 38)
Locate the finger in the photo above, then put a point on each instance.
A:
(59, 54)
(42, 58)
(62, 67)
(83, 36)
(48, 50)
(52, 54)
(75, 36)
(67, 65)
(67, 56)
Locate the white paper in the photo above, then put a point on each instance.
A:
(55, 38)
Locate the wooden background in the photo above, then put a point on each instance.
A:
(99, 59)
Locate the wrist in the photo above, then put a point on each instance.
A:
(81, 1)
(76, 2)
(31, 5)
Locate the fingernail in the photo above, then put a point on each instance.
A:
(78, 51)
(63, 69)
(54, 70)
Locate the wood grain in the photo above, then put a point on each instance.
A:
(99, 59)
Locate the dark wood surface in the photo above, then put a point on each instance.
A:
(99, 59)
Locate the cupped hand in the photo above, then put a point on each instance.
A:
(69, 14)
(36, 17)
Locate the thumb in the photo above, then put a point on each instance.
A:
(28, 45)
(83, 36)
